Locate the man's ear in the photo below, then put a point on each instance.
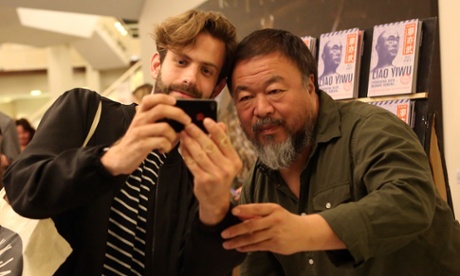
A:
(311, 84)
(218, 88)
(155, 65)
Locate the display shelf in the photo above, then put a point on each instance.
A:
(413, 96)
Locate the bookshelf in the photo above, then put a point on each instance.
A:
(414, 96)
(428, 105)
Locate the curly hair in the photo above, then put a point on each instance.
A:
(179, 32)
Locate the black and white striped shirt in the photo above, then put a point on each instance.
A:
(125, 251)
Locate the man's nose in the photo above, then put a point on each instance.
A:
(263, 106)
(190, 75)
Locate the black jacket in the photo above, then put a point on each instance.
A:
(55, 177)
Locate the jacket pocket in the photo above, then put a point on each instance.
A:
(331, 197)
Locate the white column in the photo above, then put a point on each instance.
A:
(60, 71)
(450, 59)
(93, 79)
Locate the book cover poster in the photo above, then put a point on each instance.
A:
(338, 63)
(402, 108)
(394, 58)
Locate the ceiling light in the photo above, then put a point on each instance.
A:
(35, 93)
(120, 28)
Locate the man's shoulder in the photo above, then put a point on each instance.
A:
(80, 93)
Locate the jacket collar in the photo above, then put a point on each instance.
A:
(328, 123)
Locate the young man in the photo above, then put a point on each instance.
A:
(340, 188)
(130, 202)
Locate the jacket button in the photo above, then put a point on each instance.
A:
(328, 205)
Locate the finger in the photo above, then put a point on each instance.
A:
(159, 107)
(197, 161)
(202, 140)
(246, 227)
(152, 100)
(189, 161)
(161, 129)
(222, 126)
(216, 145)
(247, 243)
(220, 138)
(254, 210)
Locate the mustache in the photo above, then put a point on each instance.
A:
(264, 122)
(188, 89)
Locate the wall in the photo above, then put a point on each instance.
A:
(449, 22)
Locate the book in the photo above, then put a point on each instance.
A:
(339, 62)
(394, 58)
(402, 108)
(310, 41)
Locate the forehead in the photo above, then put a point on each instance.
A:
(262, 70)
(207, 50)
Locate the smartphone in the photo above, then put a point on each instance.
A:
(197, 109)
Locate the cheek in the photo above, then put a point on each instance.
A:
(293, 116)
(245, 117)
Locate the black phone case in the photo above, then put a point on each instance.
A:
(197, 109)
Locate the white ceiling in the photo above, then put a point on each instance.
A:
(46, 23)
(12, 31)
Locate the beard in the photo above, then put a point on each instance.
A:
(277, 155)
(163, 88)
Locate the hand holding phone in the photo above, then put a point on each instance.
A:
(197, 109)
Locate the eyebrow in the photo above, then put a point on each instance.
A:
(201, 62)
(271, 80)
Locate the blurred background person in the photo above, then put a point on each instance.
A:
(9, 146)
(25, 132)
(142, 91)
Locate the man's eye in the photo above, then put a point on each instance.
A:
(244, 98)
(207, 71)
(274, 91)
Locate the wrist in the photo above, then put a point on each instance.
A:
(108, 161)
(212, 215)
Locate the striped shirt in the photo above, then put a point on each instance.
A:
(125, 250)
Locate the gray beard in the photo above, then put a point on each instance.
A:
(277, 155)
(281, 155)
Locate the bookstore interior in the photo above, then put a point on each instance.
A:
(366, 51)
(371, 52)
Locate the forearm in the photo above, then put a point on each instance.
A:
(41, 187)
(316, 234)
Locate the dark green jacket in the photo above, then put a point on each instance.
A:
(370, 178)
